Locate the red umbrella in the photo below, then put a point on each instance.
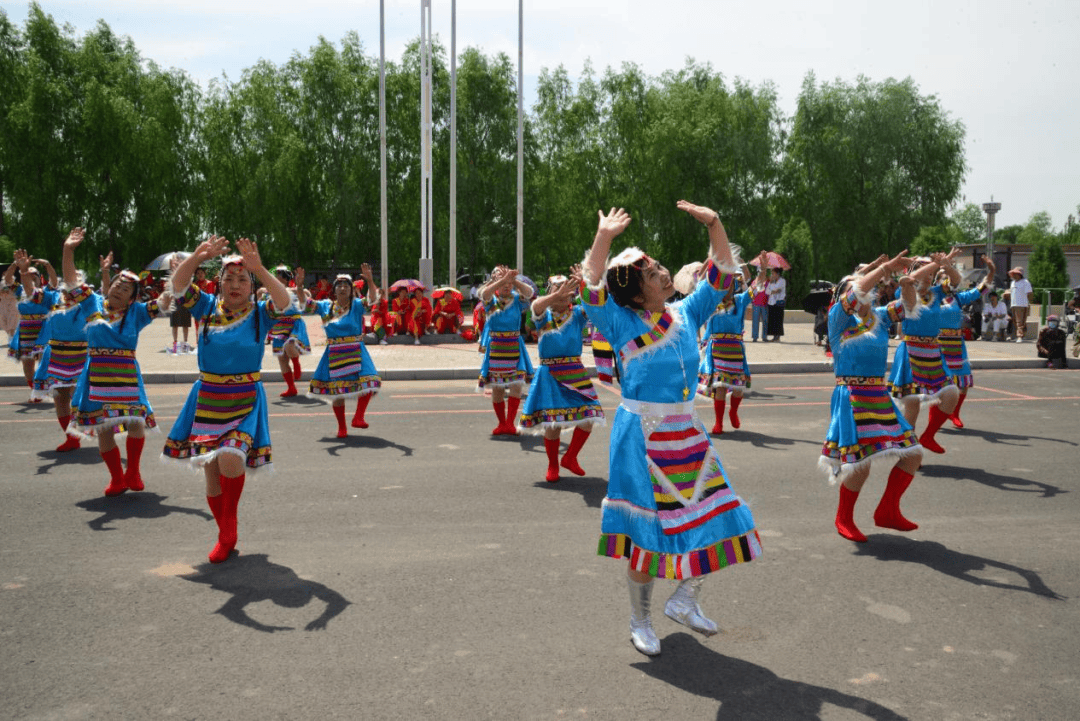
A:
(409, 284)
(440, 292)
(773, 260)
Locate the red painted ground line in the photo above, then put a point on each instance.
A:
(1007, 393)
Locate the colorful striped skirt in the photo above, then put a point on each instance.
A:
(345, 371)
(561, 396)
(289, 329)
(918, 368)
(954, 352)
(864, 423)
(669, 505)
(724, 365)
(110, 393)
(25, 343)
(61, 365)
(223, 413)
(505, 361)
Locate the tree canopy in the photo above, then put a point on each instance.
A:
(94, 134)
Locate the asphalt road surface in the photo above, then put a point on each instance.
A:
(422, 569)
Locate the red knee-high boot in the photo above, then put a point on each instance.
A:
(569, 460)
(132, 477)
(718, 406)
(733, 414)
(224, 507)
(500, 413)
(290, 389)
(339, 412)
(361, 408)
(512, 405)
(888, 513)
(116, 472)
(297, 371)
(71, 442)
(551, 447)
(933, 423)
(845, 515)
(955, 415)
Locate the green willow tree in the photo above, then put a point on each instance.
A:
(867, 165)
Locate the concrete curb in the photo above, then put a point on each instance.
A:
(471, 374)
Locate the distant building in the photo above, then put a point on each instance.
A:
(1009, 255)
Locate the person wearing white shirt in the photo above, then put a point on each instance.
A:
(997, 318)
(777, 291)
(1021, 296)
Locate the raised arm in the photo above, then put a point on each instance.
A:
(302, 294)
(22, 261)
(488, 289)
(71, 275)
(949, 267)
(9, 274)
(50, 271)
(369, 281)
(565, 292)
(524, 289)
(212, 247)
(609, 227)
(106, 275)
(991, 273)
(279, 293)
(719, 246)
(866, 282)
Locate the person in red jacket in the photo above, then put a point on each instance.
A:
(419, 314)
(447, 315)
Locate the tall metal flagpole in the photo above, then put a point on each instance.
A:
(425, 143)
(453, 143)
(383, 258)
(520, 143)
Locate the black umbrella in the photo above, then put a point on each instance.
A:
(816, 300)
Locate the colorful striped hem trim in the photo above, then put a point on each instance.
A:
(677, 566)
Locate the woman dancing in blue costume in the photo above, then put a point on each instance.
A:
(561, 396)
(223, 426)
(669, 508)
(951, 337)
(345, 370)
(506, 365)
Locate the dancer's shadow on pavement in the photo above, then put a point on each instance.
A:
(760, 440)
(84, 456)
(746, 691)
(993, 480)
(591, 488)
(530, 442)
(961, 566)
(758, 395)
(1008, 439)
(132, 505)
(252, 579)
(336, 445)
(297, 400)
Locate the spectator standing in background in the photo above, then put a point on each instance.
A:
(1021, 296)
(777, 300)
(759, 293)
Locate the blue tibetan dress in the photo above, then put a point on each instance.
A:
(110, 392)
(865, 423)
(26, 343)
(506, 362)
(561, 395)
(226, 411)
(669, 506)
(289, 329)
(918, 368)
(345, 369)
(723, 362)
(951, 337)
(65, 355)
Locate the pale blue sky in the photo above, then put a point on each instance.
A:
(1006, 69)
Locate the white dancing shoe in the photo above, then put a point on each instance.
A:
(683, 608)
(641, 631)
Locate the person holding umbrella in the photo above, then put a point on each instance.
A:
(224, 426)
(669, 507)
(506, 365)
(346, 369)
(561, 396)
(447, 314)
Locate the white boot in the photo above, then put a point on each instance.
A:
(683, 607)
(641, 631)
